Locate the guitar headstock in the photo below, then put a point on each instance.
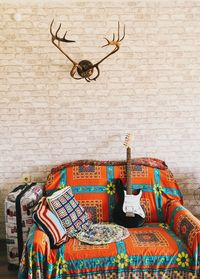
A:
(128, 140)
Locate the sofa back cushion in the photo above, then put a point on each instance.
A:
(93, 185)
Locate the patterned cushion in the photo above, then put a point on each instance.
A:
(71, 214)
(104, 233)
(49, 223)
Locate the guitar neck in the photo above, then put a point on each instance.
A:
(129, 178)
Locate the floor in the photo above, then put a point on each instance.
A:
(4, 272)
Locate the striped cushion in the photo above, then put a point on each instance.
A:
(49, 223)
(71, 214)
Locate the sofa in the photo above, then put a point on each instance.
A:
(166, 246)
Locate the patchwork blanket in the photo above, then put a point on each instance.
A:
(167, 246)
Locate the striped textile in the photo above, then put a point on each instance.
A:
(49, 223)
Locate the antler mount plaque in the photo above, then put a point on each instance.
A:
(85, 68)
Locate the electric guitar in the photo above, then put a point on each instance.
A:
(128, 211)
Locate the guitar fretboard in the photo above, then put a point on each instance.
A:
(129, 179)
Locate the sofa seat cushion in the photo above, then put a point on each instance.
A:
(153, 248)
(152, 240)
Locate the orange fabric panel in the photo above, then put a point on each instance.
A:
(78, 250)
(95, 200)
(97, 177)
(158, 241)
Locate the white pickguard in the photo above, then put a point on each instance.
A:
(132, 205)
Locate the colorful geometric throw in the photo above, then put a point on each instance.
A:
(167, 246)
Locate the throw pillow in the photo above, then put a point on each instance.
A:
(49, 223)
(71, 214)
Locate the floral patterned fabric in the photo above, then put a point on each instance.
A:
(93, 185)
(186, 226)
(152, 250)
(150, 162)
(157, 250)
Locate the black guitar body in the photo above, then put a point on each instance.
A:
(119, 217)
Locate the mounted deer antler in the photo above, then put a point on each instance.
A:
(85, 68)
(63, 39)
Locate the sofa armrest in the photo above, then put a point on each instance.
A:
(36, 245)
(186, 226)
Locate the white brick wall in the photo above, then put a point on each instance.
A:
(150, 87)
